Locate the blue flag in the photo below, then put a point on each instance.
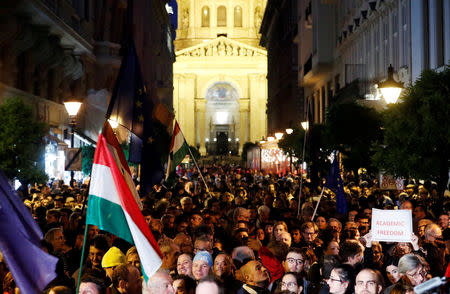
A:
(133, 109)
(20, 243)
(334, 183)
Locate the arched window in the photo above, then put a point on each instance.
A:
(221, 16)
(205, 16)
(238, 17)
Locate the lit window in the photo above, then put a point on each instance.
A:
(205, 16)
(221, 16)
(238, 16)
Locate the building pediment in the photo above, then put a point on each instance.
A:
(221, 46)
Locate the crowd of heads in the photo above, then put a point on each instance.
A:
(247, 233)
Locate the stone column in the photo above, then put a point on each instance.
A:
(200, 107)
(243, 111)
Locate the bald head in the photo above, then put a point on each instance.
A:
(255, 274)
(159, 283)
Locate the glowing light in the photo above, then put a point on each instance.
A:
(270, 139)
(391, 94)
(289, 131)
(221, 118)
(390, 88)
(72, 107)
(305, 125)
(169, 9)
(113, 123)
(278, 135)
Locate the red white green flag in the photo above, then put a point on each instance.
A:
(178, 149)
(113, 201)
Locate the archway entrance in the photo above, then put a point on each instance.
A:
(222, 116)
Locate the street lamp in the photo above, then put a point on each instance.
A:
(278, 135)
(390, 88)
(113, 123)
(289, 131)
(72, 106)
(270, 139)
(305, 125)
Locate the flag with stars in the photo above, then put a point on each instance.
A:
(334, 183)
(132, 108)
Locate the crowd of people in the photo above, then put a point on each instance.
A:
(246, 234)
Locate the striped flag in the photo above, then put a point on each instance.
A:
(114, 205)
(178, 150)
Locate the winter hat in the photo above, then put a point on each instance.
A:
(204, 256)
(113, 257)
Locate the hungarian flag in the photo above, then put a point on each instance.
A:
(113, 201)
(178, 149)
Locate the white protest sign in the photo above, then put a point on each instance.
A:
(391, 225)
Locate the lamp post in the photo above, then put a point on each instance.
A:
(305, 126)
(289, 131)
(72, 106)
(390, 89)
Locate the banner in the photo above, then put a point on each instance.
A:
(391, 225)
(388, 182)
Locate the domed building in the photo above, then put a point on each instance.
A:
(220, 84)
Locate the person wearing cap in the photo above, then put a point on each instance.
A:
(201, 265)
(112, 258)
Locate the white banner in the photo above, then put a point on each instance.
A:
(391, 225)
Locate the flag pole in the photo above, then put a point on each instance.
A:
(195, 162)
(82, 257)
(317, 205)
(200, 172)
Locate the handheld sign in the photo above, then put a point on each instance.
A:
(391, 225)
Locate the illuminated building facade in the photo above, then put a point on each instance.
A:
(220, 84)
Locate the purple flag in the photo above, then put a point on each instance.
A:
(20, 238)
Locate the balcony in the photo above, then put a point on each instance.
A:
(63, 19)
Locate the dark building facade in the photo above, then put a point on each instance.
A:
(279, 36)
(52, 50)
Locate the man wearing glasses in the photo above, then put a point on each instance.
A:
(414, 267)
(295, 262)
(368, 281)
